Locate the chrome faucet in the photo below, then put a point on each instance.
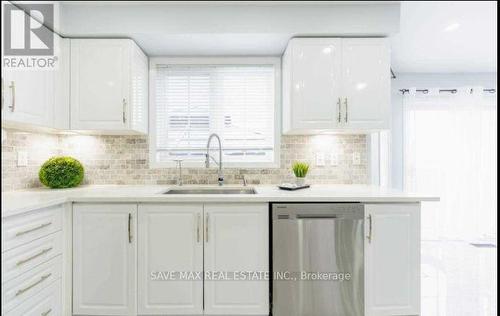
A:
(208, 157)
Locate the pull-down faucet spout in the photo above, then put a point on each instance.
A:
(208, 157)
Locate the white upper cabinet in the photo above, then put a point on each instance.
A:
(170, 239)
(313, 71)
(102, 84)
(366, 84)
(28, 97)
(38, 97)
(108, 86)
(236, 240)
(392, 259)
(334, 84)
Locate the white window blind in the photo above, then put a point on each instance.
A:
(235, 101)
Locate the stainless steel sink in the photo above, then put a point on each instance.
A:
(210, 191)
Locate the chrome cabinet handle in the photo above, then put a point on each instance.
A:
(206, 227)
(339, 116)
(12, 86)
(129, 230)
(46, 312)
(369, 228)
(346, 118)
(33, 229)
(43, 278)
(198, 220)
(44, 251)
(124, 103)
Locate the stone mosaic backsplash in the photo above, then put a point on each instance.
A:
(125, 160)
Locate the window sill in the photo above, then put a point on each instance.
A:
(228, 165)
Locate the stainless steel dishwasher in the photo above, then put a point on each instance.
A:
(316, 247)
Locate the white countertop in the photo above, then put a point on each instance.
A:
(21, 201)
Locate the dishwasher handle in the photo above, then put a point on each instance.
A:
(317, 216)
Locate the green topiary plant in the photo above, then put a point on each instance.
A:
(300, 169)
(61, 172)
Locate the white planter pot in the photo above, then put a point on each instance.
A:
(300, 181)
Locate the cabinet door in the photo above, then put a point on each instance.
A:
(104, 259)
(100, 74)
(392, 259)
(28, 97)
(236, 240)
(170, 240)
(315, 83)
(366, 83)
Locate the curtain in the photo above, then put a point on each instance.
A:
(450, 150)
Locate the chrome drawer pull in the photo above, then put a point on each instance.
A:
(129, 229)
(12, 86)
(43, 278)
(46, 312)
(369, 229)
(124, 103)
(21, 262)
(33, 229)
(206, 228)
(339, 107)
(346, 111)
(198, 228)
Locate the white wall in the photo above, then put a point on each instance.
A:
(423, 80)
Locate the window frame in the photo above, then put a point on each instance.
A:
(274, 61)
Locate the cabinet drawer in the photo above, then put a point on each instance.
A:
(21, 229)
(25, 257)
(46, 303)
(28, 284)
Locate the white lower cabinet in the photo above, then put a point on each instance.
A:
(170, 239)
(33, 255)
(236, 241)
(185, 253)
(206, 242)
(392, 259)
(104, 259)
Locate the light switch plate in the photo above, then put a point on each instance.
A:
(22, 158)
(334, 159)
(356, 158)
(320, 159)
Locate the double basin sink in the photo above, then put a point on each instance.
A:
(210, 190)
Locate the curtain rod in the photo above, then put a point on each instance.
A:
(425, 91)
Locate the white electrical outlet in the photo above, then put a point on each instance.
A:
(320, 159)
(356, 158)
(334, 159)
(22, 158)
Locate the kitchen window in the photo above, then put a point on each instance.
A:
(237, 98)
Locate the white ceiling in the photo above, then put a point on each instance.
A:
(445, 37)
(434, 36)
(225, 28)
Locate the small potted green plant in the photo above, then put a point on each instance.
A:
(61, 172)
(300, 170)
